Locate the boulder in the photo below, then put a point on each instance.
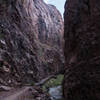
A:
(5, 88)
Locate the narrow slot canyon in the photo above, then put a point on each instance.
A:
(48, 55)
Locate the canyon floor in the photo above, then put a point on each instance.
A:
(19, 94)
(50, 90)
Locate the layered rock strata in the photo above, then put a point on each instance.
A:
(30, 41)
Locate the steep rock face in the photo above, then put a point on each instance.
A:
(30, 40)
(82, 50)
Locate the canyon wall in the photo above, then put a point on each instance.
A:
(82, 50)
(31, 38)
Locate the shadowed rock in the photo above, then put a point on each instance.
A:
(82, 50)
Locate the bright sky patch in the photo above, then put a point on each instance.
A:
(46, 1)
(58, 3)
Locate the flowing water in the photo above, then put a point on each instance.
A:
(55, 93)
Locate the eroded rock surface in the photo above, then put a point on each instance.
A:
(82, 50)
(30, 41)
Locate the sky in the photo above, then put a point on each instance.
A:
(58, 3)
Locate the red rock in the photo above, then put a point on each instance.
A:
(32, 32)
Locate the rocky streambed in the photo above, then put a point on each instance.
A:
(54, 88)
(56, 93)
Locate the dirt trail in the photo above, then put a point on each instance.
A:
(21, 94)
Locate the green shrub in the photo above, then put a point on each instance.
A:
(53, 82)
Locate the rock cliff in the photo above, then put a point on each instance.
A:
(30, 41)
(82, 50)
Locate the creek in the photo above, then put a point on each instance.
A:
(55, 93)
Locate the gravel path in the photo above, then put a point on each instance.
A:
(20, 94)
